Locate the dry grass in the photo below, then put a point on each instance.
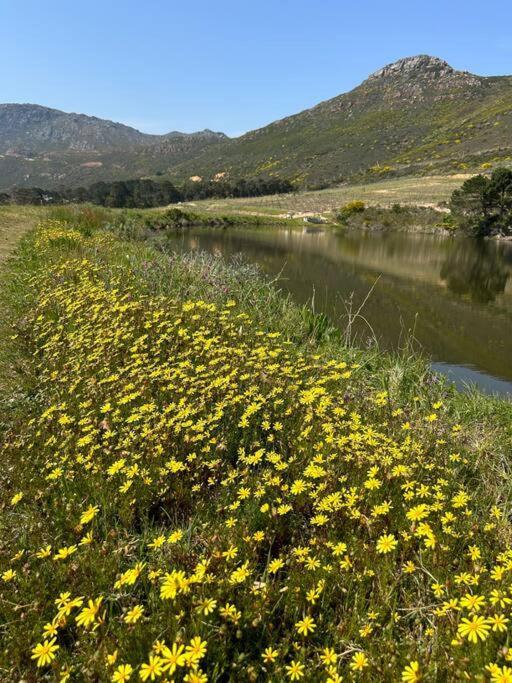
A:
(427, 191)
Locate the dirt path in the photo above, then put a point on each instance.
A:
(14, 222)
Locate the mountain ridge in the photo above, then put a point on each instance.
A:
(404, 118)
(48, 147)
(417, 115)
(41, 128)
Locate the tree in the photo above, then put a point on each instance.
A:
(119, 196)
(468, 204)
(168, 193)
(483, 206)
(28, 195)
(98, 193)
(142, 193)
(498, 199)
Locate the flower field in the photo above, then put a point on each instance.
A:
(190, 495)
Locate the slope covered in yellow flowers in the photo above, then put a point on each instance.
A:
(188, 494)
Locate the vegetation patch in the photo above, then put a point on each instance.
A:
(200, 484)
(145, 193)
(483, 205)
(398, 218)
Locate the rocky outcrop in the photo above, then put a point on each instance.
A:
(422, 73)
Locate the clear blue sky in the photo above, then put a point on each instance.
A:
(163, 65)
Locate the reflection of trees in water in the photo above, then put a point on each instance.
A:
(476, 268)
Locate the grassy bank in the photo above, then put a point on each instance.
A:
(141, 224)
(202, 481)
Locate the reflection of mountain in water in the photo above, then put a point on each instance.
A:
(477, 269)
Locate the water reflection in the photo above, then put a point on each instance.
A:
(476, 268)
(452, 296)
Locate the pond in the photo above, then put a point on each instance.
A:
(450, 297)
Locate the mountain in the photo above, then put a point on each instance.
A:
(30, 129)
(417, 115)
(48, 147)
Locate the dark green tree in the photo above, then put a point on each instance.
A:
(498, 199)
(28, 195)
(98, 193)
(468, 204)
(483, 206)
(143, 193)
(119, 196)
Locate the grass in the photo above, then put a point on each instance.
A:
(146, 221)
(202, 481)
(427, 191)
(14, 222)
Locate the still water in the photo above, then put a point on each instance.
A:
(453, 296)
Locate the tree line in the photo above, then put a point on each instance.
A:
(145, 193)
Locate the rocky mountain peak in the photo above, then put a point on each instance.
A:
(421, 76)
(414, 66)
(423, 68)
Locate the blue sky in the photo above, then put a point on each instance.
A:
(163, 65)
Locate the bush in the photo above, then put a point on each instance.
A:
(448, 222)
(350, 209)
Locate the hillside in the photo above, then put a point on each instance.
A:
(32, 129)
(48, 147)
(418, 115)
